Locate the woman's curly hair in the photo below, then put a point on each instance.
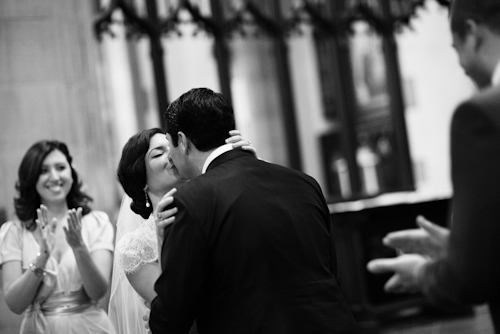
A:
(28, 199)
(132, 171)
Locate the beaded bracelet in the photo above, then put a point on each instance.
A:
(40, 254)
(39, 272)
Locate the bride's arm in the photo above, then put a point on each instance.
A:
(143, 280)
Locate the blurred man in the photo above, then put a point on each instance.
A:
(462, 265)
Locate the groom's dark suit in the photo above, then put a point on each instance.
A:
(250, 251)
(471, 271)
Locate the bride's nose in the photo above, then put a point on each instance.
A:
(170, 163)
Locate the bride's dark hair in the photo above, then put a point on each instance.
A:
(132, 171)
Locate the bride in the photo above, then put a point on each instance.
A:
(147, 178)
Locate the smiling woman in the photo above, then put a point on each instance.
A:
(55, 180)
(55, 287)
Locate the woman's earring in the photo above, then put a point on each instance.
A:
(147, 199)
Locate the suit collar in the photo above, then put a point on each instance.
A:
(495, 79)
(218, 151)
(229, 155)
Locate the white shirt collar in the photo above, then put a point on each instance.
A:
(495, 79)
(218, 151)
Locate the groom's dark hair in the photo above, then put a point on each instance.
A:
(486, 12)
(205, 117)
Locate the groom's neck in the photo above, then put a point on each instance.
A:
(198, 160)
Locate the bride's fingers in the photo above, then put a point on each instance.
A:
(170, 193)
(165, 214)
(164, 223)
(234, 139)
(166, 200)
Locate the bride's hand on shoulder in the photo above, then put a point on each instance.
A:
(163, 216)
(238, 141)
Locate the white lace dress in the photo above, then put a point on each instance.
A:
(138, 247)
(133, 250)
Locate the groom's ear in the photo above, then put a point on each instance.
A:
(183, 142)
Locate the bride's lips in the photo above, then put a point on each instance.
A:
(174, 169)
(170, 165)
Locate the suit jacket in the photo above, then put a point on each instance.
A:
(470, 273)
(250, 251)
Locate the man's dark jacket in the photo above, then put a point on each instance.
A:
(470, 273)
(250, 251)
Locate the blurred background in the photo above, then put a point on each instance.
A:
(356, 93)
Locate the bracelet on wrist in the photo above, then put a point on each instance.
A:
(39, 272)
(45, 252)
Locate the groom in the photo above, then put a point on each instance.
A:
(251, 249)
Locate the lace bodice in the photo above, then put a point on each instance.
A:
(138, 247)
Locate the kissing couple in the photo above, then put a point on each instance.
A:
(245, 246)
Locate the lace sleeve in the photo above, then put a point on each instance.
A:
(137, 248)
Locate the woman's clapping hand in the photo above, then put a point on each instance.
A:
(48, 230)
(74, 229)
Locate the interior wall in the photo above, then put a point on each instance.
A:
(49, 89)
(434, 84)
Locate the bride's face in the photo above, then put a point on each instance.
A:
(160, 175)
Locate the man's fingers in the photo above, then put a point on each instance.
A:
(430, 227)
(396, 285)
(393, 285)
(400, 239)
(379, 266)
